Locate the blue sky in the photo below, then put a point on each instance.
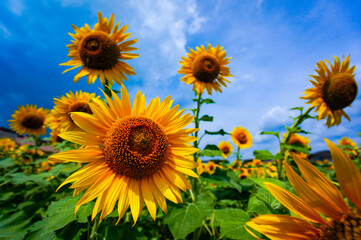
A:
(274, 46)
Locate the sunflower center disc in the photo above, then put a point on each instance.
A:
(242, 138)
(225, 150)
(32, 121)
(99, 51)
(80, 107)
(339, 91)
(205, 68)
(135, 147)
(348, 228)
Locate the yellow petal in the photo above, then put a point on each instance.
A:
(163, 188)
(79, 155)
(348, 176)
(310, 196)
(321, 184)
(149, 200)
(89, 123)
(293, 203)
(283, 227)
(135, 199)
(81, 138)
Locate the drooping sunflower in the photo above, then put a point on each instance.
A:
(316, 195)
(29, 120)
(352, 150)
(226, 148)
(100, 51)
(241, 137)
(334, 89)
(135, 155)
(64, 106)
(297, 139)
(205, 69)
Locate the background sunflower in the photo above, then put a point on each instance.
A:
(29, 120)
(205, 69)
(101, 52)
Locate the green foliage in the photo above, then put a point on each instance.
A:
(206, 118)
(210, 150)
(263, 155)
(220, 132)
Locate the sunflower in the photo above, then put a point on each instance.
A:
(316, 195)
(297, 139)
(54, 124)
(349, 146)
(135, 155)
(29, 120)
(205, 69)
(78, 102)
(241, 137)
(201, 167)
(333, 90)
(7, 144)
(226, 149)
(100, 52)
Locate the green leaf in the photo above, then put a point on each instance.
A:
(207, 101)
(15, 226)
(220, 132)
(184, 220)
(39, 232)
(231, 222)
(263, 155)
(7, 163)
(262, 181)
(257, 206)
(206, 118)
(85, 211)
(61, 212)
(277, 134)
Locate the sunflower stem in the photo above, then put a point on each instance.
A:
(238, 153)
(93, 233)
(196, 143)
(107, 88)
(300, 119)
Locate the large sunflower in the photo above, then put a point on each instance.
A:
(136, 155)
(241, 137)
(333, 90)
(226, 148)
(316, 195)
(101, 51)
(78, 102)
(29, 120)
(205, 69)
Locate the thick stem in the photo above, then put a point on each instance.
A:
(93, 233)
(238, 158)
(107, 86)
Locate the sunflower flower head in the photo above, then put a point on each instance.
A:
(226, 149)
(101, 52)
(29, 120)
(65, 105)
(205, 68)
(135, 155)
(334, 89)
(349, 146)
(316, 195)
(7, 144)
(241, 137)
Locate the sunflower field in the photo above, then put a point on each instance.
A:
(117, 166)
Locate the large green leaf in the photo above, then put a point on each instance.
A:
(232, 221)
(15, 226)
(220, 132)
(263, 155)
(184, 220)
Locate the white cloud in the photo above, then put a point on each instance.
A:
(275, 118)
(162, 28)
